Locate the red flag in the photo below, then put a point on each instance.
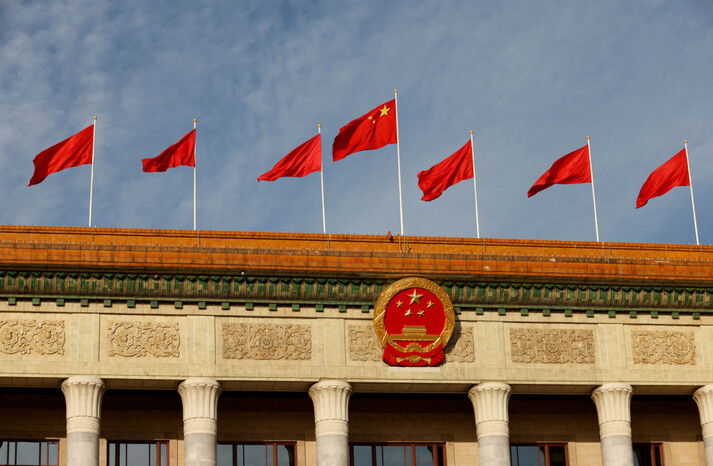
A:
(454, 169)
(303, 160)
(674, 172)
(573, 168)
(181, 153)
(72, 152)
(371, 131)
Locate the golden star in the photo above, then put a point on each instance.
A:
(408, 313)
(421, 313)
(384, 110)
(430, 304)
(399, 303)
(415, 297)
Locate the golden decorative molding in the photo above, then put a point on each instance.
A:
(133, 339)
(267, 341)
(557, 346)
(461, 347)
(27, 336)
(663, 347)
(363, 345)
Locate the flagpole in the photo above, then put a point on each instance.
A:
(321, 178)
(91, 179)
(475, 186)
(594, 199)
(398, 158)
(194, 178)
(690, 183)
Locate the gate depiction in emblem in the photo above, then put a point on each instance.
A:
(413, 320)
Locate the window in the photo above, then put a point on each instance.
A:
(648, 454)
(263, 454)
(539, 455)
(138, 454)
(29, 452)
(410, 454)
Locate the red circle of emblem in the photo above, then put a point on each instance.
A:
(413, 320)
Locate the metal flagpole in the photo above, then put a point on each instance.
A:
(91, 179)
(398, 158)
(690, 183)
(594, 199)
(321, 178)
(475, 186)
(194, 177)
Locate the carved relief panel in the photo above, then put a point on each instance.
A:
(32, 336)
(552, 346)
(267, 341)
(141, 339)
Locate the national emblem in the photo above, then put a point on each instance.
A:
(413, 320)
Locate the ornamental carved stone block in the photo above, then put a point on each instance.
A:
(556, 346)
(363, 345)
(461, 347)
(28, 336)
(141, 339)
(267, 341)
(663, 347)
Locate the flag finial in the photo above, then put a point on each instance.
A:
(395, 91)
(587, 137)
(95, 118)
(685, 142)
(319, 125)
(194, 120)
(471, 131)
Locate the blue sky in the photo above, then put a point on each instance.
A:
(533, 79)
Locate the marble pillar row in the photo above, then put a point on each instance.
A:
(704, 399)
(613, 402)
(331, 418)
(83, 397)
(200, 420)
(490, 403)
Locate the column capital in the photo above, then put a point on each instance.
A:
(83, 396)
(490, 403)
(704, 399)
(613, 401)
(331, 407)
(200, 405)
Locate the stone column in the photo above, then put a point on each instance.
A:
(331, 418)
(200, 420)
(490, 403)
(83, 397)
(704, 399)
(613, 402)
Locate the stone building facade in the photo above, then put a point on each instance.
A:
(134, 347)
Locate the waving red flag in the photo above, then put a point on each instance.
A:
(303, 160)
(72, 152)
(181, 153)
(370, 131)
(674, 172)
(573, 168)
(452, 170)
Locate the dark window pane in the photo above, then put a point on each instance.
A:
(224, 455)
(285, 455)
(424, 456)
(658, 455)
(164, 454)
(379, 456)
(112, 454)
(526, 456)
(137, 454)
(28, 453)
(270, 449)
(122, 454)
(54, 453)
(642, 454)
(558, 456)
(362, 455)
(43, 453)
(255, 455)
(11, 452)
(152, 455)
(394, 456)
(3, 451)
(441, 460)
